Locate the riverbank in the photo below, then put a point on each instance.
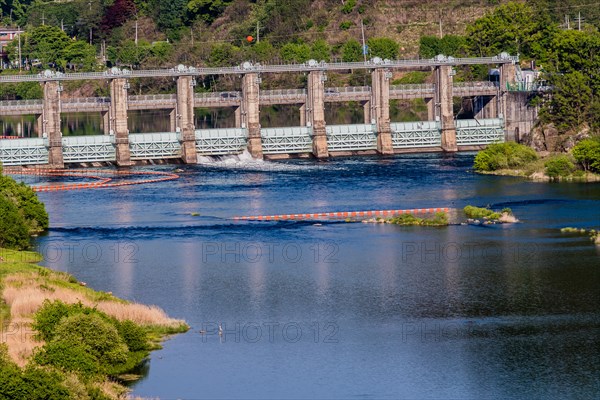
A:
(25, 288)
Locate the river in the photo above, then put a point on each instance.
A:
(346, 310)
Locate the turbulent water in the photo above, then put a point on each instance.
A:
(339, 310)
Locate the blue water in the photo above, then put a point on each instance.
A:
(347, 310)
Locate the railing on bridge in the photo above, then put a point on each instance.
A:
(416, 134)
(287, 140)
(214, 142)
(88, 148)
(159, 145)
(351, 137)
(479, 131)
(30, 151)
(414, 89)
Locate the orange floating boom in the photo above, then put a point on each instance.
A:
(339, 215)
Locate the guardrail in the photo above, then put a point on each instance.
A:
(258, 68)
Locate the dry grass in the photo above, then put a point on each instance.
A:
(25, 292)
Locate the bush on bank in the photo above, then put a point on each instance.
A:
(504, 155)
(22, 214)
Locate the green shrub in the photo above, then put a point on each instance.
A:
(587, 154)
(33, 383)
(559, 166)
(345, 25)
(69, 357)
(348, 6)
(24, 198)
(134, 336)
(504, 155)
(480, 213)
(13, 230)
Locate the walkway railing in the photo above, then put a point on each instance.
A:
(287, 140)
(416, 134)
(351, 137)
(248, 68)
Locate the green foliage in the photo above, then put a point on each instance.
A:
(32, 383)
(480, 213)
(86, 341)
(439, 219)
(352, 51)
(295, 53)
(449, 45)
(13, 232)
(587, 154)
(348, 6)
(22, 214)
(45, 43)
(559, 166)
(224, 54)
(513, 27)
(207, 10)
(413, 77)
(27, 203)
(345, 25)
(504, 155)
(383, 47)
(320, 51)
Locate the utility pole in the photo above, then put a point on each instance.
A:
(440, 23)
(20, 59)
(364, 46)
(257, 31)
(43, 19)
(136, 32)
(579, 21)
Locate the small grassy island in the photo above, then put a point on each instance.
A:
(58, 338)
(592, 233)
(437, 219)
(582, 163)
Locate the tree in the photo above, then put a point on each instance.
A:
(587, 154)
(569, 105)
(80, 54)
(320, 51)
(383, 48)
(449, 45)
(513, 27)
(207, 10)
(295, 53)
(45, 43)
(352, 51)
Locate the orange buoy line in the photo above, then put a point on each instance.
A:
(101, 181)
(337, 215)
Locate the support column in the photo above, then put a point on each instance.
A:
(303, 115)
(316, 112)
(106, 122)
(367, 112)
(443, 83)
(380, 97)
(185, 119)
(508, 100)
(173, 120)
(251, 113)
(40, 124)
(118, 120)
(51, 123)
(430, 109)
(238, 117)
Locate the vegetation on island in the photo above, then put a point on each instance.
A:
(593, 234)
(581, 163)
(437, 219)
(487, 215)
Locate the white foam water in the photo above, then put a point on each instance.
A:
(244, 161)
